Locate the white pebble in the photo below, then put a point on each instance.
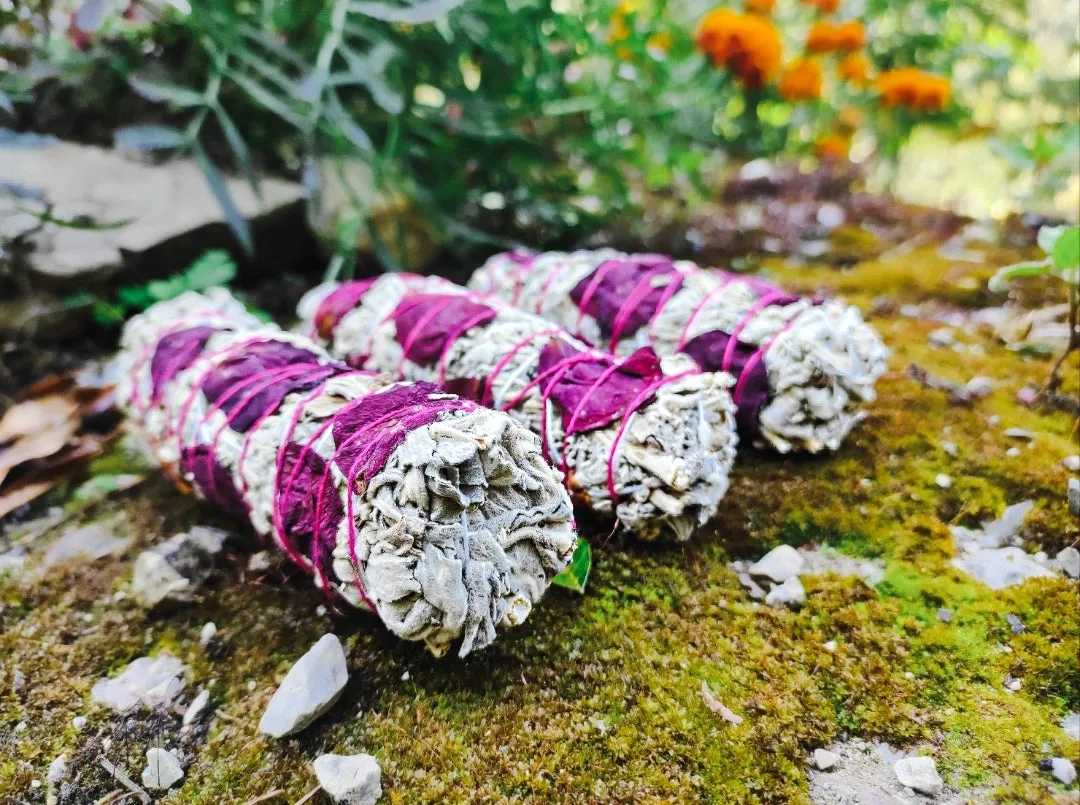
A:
(1012, 452)
(950, 448)
(943, 480)
(78, 722)
(830, 646)
(1071, 463)
(162, 770)
(825, 760)
(919, 773)
(207, 633)
(350, 779)
(1063, 770)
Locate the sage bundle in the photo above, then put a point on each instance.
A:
(649, 440)
(803, 367)
(435, 513)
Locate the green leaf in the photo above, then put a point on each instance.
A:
(101, 486)
(218, 186)
(239, 149)
(135, 297)
(266, 98)
(1000, 281)
(212, 269)
(1066, 251)
(159, 92)
(576, 574)
(414, 14)
(148, 137)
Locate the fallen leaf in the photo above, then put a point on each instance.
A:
(41, 444)
(36, 414)
(713, 704)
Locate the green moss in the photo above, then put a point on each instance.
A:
(597, 698)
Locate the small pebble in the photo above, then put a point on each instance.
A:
(320, 610)
(1012, 452)
(993, 420)
(1027, 396)
(1063, 770)
(943, 480)
(405, 677)
(20, 727)
(1069, 559)
(1074, 497)
(207, 633)
(980, 386)
(789, 594)
(1071, 463)
(1014, 624)
(58, 770)
(942, 337)
(198, 704)
(825, 760)
(1071, 725)
(944, 615)
(829, 646)
(350, 779)
(162, 770)
(1020, 433)
(78, 722)
(950, 448)
(919, 773)
(1013, 684)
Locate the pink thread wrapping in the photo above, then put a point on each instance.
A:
(243, 391)
(546, 381)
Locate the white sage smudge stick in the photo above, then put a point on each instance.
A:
(437, 514)
(804, 368)
(648, 440)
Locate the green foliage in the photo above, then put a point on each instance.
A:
(1062, 247)
(211, 270)
(575, 575)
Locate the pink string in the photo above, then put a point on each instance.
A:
(417, 329)
(455, 334)
(629, 305)
(590, 290)
(683, 336)
(733, 341)
(557, 272)
(669, 292)
(753, 360)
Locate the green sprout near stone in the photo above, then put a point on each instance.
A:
(1062, 247)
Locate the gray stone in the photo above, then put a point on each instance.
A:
(979, 386)
(158, 204)
(350, 779)
(148, 680)
(1071, 463)
(825, 760)
(999, 568)
(753, 590)
(942, 337)
(197, 705)
(58, 770)
(95, 541)
(1006, 529)
(1019, 433)
(310, 688)
(789, 594)
(1069, 559)
(1074, 497)
(1063, 770)
(944, 615)
(1071, 725)
(822, 561)
(920, 774)
(1015, 624)
(162, 771)
(779, 564)
(175, 570)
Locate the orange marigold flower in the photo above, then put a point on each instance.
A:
(824, 6)
(915, 89)
(854, 68)
(759, 6)
(833, 146)
(747, 44)
(801, 80)
(825, 36)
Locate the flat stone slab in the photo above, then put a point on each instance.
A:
(160, 202)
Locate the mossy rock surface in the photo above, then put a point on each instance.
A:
(598, 698)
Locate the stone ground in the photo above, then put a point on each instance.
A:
(598, 698)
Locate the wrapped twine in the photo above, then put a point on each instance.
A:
(435, 513)
(803, 367)
(650, 440)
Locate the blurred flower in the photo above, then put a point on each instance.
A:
(824, 6)
(848, 119)
(827, 36)
(854, 68)
(915, 89)
(759, 6)
(801, 80)
(833, 146)
(659, 41)
(747, 44)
